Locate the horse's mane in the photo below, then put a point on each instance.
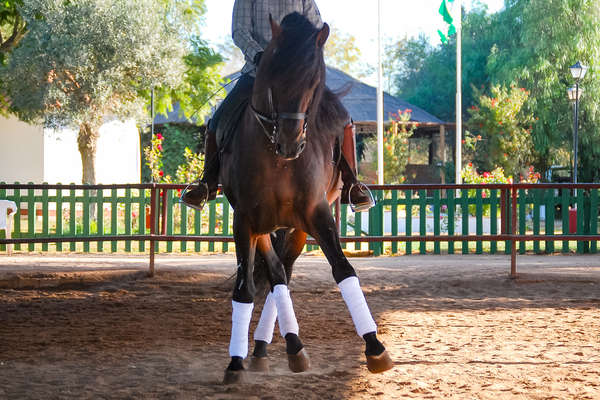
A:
(299, 60)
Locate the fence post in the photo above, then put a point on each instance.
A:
(153, 223)
(513, 247)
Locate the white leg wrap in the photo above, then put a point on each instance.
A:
(266, 324)
(285, 310)
(357, 305)
(240, 324)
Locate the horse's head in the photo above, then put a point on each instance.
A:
(289, 83)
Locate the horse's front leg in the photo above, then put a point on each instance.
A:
(278, 305)
(323, 229)
(243, 299)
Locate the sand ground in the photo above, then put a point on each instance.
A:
(78, 327)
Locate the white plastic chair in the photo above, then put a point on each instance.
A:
(8, 209)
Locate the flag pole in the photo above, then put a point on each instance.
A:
(379, 100)
(458, 166)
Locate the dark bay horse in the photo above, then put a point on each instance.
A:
(279, 172)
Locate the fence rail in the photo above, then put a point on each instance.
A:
(435, 218)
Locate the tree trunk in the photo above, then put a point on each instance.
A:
(87, 140)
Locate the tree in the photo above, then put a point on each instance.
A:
(427, 77)
(82, 61)
(12, 26)
(342, 53)
(505, 129)
(12, 29)
(537, 41)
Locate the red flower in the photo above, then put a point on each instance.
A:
(408, 110)
(159, 136)
(159, 147)
(470, 164)
(160, 173)
(478, 137)
(486, 174)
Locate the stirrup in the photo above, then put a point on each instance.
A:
(361, 206)
(195, 207)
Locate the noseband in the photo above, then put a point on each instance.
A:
(275, 117)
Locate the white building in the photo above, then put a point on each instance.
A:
(30, 153)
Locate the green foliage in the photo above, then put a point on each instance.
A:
(189, 164)
(192, 168)
(427, 74)
(537, 41)
(395, 147)
(83, 60)
(505, 127)
(470, 176)
(530, 43)
(175, 140)
(200, 81)
(12, 26)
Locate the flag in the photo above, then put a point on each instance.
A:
(447, 17)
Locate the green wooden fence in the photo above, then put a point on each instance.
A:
(54, 211)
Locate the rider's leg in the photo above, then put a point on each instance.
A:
(207, 189)
(353, 192)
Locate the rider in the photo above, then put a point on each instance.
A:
(251, 31)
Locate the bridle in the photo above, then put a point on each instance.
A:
(275, 117)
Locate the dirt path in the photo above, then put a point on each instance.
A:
(456, 326)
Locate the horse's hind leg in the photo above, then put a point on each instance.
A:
(283, 310)
(324, 230)
(243, 300)
(263, 334)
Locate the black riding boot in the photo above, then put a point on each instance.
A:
(353, 192)
(207, 188)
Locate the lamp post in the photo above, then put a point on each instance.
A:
(578, 71)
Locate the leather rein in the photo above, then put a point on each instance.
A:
(275, 117)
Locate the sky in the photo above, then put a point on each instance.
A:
(400, 18)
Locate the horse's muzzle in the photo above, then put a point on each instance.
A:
(291, 152)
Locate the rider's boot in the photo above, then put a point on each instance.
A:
(207, 188)
(353, 192)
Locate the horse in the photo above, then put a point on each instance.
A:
(285, 143)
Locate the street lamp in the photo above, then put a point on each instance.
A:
(578, 71)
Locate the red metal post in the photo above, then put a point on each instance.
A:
(513, 231)
(153, 209)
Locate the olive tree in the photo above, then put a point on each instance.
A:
(81, 61)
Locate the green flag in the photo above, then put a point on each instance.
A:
(447, 17)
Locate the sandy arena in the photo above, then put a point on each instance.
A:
(96, 327)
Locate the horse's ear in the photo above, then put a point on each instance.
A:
(275, 27)
(323, 35)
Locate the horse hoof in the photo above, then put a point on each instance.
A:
(380, 363)
(259, 364)
(299, 362)
(233, 377)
